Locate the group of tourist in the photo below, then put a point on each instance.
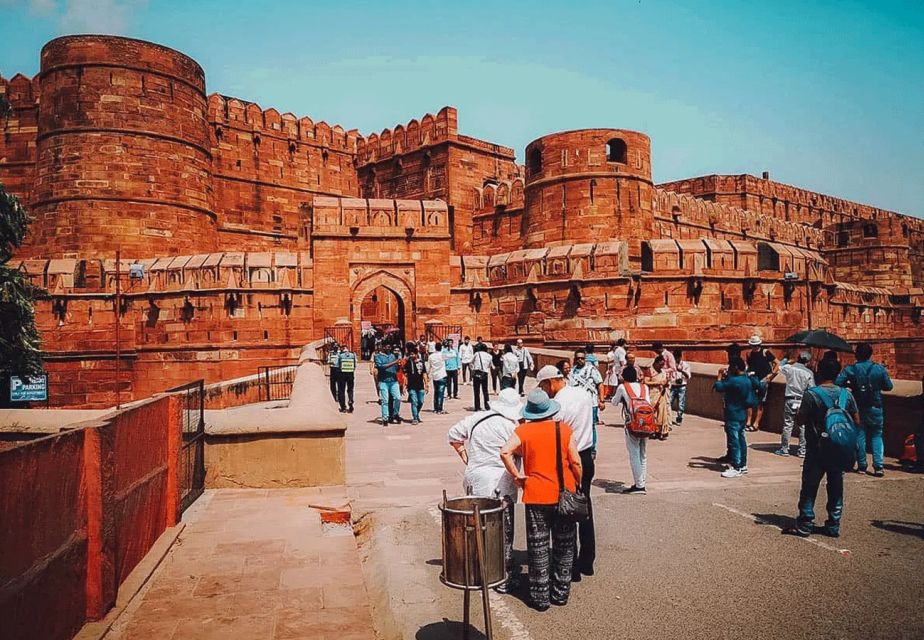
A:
(549, 445)
(439, 367)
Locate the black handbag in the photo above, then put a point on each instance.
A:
(571, 506)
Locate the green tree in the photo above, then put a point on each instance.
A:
(20, 343)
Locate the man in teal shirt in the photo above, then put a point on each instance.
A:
(453, 364)
(737, 387)
(386, 364)
(867, 380)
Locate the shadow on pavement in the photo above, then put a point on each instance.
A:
(904, 528)
(774, 519)
(704, 462)
(448, 629)
(609, 486)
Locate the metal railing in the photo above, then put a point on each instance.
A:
(276, 382)
(192, 450)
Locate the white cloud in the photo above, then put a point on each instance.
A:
(97, 16)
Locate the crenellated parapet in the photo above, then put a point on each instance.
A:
(678, 215)
(404, 138)
(223, 271)
(226, 112)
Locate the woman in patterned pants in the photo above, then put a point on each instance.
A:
(535, 441)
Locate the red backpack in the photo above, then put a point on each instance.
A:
(641, 416)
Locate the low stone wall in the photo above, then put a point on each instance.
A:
(79, 510)
(299, 445)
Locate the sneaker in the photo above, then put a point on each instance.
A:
(801, 454)
(781, 452)
(634, 490)
(831, 532)
(878, 473)
(744, 470)
(557, 602)
(732, 473)
(796, 531)
(415, 421)
(860, 470)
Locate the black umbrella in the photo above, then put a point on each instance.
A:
(821, 339)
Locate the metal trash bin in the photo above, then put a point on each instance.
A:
(460, 560)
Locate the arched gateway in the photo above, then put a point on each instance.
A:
(397, 286)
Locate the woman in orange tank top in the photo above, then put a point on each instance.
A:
(549, 537)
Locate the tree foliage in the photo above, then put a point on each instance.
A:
(20, 343)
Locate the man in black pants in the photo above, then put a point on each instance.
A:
(346, 365)
(333, 356)
(577, 411)
(481, 365)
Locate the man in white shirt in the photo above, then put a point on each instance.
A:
(617, 356)
(525, 361)
(466, 355)
(436, 367)
(481, 368)
(799, 378)
(478, 439)
(586, 376)
(510, 368)
(577, 411)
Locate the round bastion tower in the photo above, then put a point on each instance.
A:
(589, 185)
(123, 153)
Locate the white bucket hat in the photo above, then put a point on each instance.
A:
(755, 341)
(508, 404)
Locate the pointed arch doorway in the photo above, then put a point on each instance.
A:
(385, 301)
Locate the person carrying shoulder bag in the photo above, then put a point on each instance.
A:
(545, 446)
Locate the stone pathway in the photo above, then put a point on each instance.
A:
(255, 564)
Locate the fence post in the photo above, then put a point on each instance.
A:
(174, 436)
(98, 564)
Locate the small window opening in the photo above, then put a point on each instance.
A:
(870, 231)
(843, 238)
(767, 258)
(647, 257)
(616, 151)
(535, 161)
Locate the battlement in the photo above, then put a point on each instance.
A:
(230, 112)
(499, 193)
(361, 217)
(186, 273)
(20, 91)
(414, 135)
(684, 209)
(781, 200)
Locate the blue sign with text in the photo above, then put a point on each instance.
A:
(28, 388)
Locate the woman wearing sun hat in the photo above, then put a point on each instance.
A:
(478, 440)
(535, 441)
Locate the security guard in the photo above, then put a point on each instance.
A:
(346, 365)
(333, 357)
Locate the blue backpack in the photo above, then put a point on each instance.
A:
(837, 446)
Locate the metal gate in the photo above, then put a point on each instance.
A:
(276, 382)
(340, 333)
(192, 451)
(439, 332)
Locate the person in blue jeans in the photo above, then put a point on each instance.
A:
(734, 383)
(415, 371)
(867, 380)
(386, 366)
(811, 418)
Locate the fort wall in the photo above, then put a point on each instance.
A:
(266, 166)
(18, 136)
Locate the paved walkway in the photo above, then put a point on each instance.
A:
(700, 556)
(254, 564)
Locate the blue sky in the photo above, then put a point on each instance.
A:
(828, 95)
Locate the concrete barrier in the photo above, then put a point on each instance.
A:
(298, 445)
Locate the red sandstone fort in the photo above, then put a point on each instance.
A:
(257, 230)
